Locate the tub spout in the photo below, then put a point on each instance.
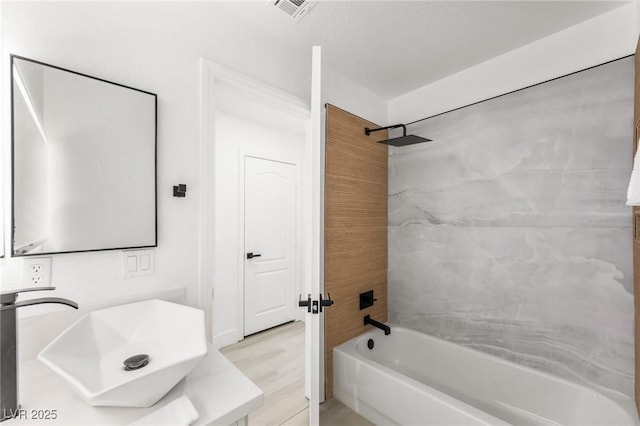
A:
(381, 326)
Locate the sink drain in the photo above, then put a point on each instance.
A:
(136, 362)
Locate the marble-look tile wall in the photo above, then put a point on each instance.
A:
(509, 233)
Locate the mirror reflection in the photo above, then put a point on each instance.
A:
(84, 162)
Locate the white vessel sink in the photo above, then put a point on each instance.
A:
(90, 354)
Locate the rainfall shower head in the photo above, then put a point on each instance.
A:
(403, 140)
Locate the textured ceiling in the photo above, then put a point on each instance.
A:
(393, 47)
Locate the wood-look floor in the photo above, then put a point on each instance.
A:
(274, 361)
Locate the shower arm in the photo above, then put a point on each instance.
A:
(368, 131)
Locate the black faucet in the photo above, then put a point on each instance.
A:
(381, 326)
(8, 359)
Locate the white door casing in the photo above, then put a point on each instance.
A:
(270, 235)
(216, 271)
(314, 343)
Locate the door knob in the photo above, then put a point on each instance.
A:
(250, 255)
(325, 302)
(305, 303)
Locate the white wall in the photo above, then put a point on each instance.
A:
(350, 96)
(600, 39)
(244, 126)
(155, 47)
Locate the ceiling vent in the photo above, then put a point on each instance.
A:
(294, 8)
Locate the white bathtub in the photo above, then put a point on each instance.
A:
(410, 378)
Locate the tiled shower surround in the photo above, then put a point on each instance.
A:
(509, 232)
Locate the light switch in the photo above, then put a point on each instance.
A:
(145, 262)
(132, 263)
(136, 263)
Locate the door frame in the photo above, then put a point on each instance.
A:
(284, 158)
(214, 78)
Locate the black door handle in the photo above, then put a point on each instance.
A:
(251, 255)
(305, 303)
(325, 302)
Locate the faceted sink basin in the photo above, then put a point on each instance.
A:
(91, 353)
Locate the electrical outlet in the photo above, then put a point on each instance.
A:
(37, 272)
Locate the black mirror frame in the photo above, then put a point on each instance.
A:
(13, 253)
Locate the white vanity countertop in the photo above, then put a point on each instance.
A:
(219, 391)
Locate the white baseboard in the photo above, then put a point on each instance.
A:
(225, 339)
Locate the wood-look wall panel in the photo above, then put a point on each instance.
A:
(358, 169)
(368, 192)
(354, 251)
(355, 233)
(357, 189)
(361, 253)
(370, 154)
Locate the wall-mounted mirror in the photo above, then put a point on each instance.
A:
(84, 162)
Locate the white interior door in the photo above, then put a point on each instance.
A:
(314, 337)
(270, 243)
